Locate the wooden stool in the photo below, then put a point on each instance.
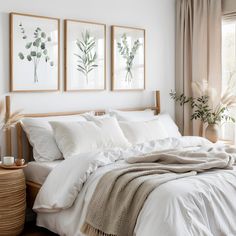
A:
(12, 201)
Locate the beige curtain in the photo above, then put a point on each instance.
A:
(198, 52)
(228, 6)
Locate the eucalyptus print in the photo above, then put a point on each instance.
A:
(87, 55)
(128, 54)
(36, 50)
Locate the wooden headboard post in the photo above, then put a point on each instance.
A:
(19, 141)
(8, 131)
(158, 102)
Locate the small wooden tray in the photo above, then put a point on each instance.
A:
(12, 167)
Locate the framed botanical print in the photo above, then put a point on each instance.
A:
(128, 58)
(85, 55)
(34, 53)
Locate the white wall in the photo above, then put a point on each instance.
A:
(156, 16)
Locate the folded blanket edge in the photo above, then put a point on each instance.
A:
(89, 230)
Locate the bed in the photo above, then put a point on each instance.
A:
(192, 188)
(24, 148)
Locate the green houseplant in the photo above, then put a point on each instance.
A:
(203, 108)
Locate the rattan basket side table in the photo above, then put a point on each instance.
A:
(12, 201)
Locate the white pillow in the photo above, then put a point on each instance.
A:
(80, 137)
(40, 136)
(142, 131)
(170, 126)
(132, 115)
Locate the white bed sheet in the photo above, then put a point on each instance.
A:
(37, 172)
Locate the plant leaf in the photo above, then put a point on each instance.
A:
(43, 35)
(29, 58)
(47, 58)
(33, 53)
(45, 51)
(37, 42)
(28, 45)
(21, 56)
(43, 46)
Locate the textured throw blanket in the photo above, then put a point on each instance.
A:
(121, 193)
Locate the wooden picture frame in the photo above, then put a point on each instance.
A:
(130, 78)
(34, 53)
(77, 76)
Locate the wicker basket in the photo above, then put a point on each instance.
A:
(12, 202)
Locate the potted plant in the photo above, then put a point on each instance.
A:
(204, 108)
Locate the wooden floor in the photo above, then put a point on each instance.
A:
(32, 230)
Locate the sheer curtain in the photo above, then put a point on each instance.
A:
(228, 67)
(198, 52)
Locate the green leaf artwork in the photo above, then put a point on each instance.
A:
(128, 54)
(35, 50)
(87, 55)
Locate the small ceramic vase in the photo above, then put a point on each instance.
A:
(212, 132)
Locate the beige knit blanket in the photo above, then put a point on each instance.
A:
(121, 193)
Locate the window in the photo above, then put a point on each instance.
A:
(228, 70)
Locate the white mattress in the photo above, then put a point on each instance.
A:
(37, 172)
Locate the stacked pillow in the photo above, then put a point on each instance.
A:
(143, 131)
(132, 115)
(142, 126)
(40, 136)
(53, 138)
(74, 138)
(164, 118)
(169, 125)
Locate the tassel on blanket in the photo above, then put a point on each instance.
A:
(89, 230)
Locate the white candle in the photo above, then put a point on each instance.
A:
(8, 161)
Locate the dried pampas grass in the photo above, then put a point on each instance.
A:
(14, 118)
(201, 88)
(228, 99)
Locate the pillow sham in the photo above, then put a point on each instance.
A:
(40, 136)
(74, 138)
(169, 125)
(143, 131)
(147, 114)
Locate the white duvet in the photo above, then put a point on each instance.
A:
(197, 205)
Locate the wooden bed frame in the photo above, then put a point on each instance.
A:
(33, 188)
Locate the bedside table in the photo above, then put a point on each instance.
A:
(12, 201)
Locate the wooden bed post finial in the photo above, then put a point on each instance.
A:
(8, 131)
(158, 102)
